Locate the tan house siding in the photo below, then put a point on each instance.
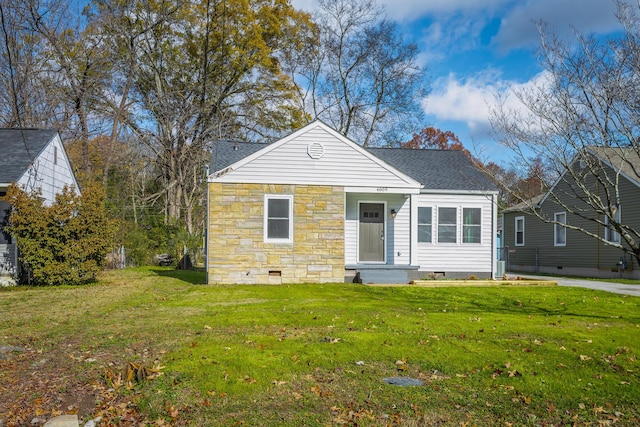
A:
(238, 253)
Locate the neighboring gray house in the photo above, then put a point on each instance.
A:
(534, 245)
(34, 159)
(316, 207)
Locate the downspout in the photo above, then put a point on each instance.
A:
(206, 232)
(494, 230)
(412, 217)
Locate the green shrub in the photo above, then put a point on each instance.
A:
(65, 243)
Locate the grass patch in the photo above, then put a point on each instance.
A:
(318, 354)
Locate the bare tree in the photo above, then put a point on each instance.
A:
(582, 121)
(363, 79)
(24, 98)
(78, 64)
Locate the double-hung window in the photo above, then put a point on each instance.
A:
(519, 227)
(278, 218)
(471, 228)
(610, 234)
(447, 225)
(424, 224)
(559, 229)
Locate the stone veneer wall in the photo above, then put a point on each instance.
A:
(238, 254)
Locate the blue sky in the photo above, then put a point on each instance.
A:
(476, 50)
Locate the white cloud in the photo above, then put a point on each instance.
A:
(454, 99)
(469, 100)
(410, 10)
(459, 20)
(518, 29)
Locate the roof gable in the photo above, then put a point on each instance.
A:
(623, 160)
(20, 147)
(314, 155)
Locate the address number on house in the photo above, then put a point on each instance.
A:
(382, 189)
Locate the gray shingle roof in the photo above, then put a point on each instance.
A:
(436, 169)
(224, 153)
(19, 148)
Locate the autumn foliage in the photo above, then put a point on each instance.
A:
(64, 243)
(435, 138)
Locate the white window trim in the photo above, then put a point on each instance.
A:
(519, 218)
(556, 228)
(610, 232)
(265, 226)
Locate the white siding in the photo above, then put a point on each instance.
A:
(342, 164)
(397, 229)
(48, 175)
(455, 257)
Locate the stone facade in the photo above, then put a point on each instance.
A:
(238, 253)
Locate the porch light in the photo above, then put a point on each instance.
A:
(393, 213)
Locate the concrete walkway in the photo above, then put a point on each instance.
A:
(617, 288)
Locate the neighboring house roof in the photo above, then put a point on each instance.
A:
(526, 205)
(19, 148)
(437, 169)
(623, 159)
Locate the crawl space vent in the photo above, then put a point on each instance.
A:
(315, 150)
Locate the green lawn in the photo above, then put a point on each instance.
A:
(317, 355)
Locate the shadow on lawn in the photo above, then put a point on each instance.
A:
(519, 302)
(195, 277)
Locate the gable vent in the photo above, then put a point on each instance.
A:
(315, 150)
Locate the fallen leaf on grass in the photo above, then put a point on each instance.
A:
(401, 364)
(583, 357)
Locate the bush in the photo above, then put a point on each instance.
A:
(65, 243)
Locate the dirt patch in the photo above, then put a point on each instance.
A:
(37, 385)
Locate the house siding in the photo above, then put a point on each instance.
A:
(50, 172)
(582, 254)
(341, 164)
(456, 259)
(238, 253)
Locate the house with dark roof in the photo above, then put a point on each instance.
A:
(317, 207)
(35, 160)
(570, 229)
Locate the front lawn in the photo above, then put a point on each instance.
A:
(317, 355)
